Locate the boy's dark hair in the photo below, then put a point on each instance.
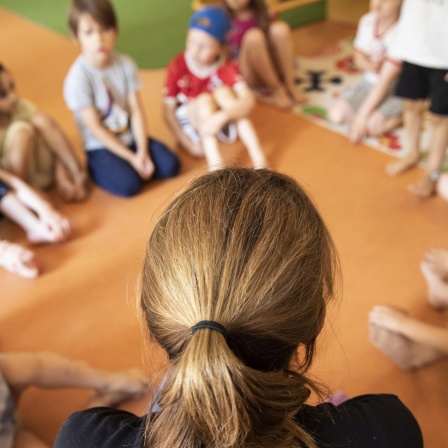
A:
(101, 11)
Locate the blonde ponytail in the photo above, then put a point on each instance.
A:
(246, 249)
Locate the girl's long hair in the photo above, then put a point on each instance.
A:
(248, 249)
(261, 11)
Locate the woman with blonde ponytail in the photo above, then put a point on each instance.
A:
(237, 276)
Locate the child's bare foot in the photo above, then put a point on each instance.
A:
(434, 267)
(18, 260)
(81, 184)
(51, 228)
(404, 352)
(281, 98)
(424, 188)
(297, 95)
(126, 385)
(400, 166)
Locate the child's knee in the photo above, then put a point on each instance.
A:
(253, 38)
(170, 166)
(224, 96)
(279, 30)
(337, 114)
(205, 105)
(43, 121)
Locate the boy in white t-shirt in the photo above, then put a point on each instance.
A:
(369, 107)
(421, 42)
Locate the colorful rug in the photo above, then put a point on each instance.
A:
(323, 76)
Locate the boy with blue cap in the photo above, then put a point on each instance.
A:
(206, 100)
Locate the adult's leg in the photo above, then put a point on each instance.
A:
(113, 174)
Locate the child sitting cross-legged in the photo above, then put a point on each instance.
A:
(205, 98)
(34, 147)
(102, 89)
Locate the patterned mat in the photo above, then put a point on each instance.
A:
(323, 76)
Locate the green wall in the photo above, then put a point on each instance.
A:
(151, 31)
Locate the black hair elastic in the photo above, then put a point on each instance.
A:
(210, 325)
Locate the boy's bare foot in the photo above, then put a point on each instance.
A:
(424, 188)
(400, 166)
(404, 352)
(126, 385)
(18, 260)
(281, 98)
(434, 267)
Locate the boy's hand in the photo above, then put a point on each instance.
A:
(213, 124)
(143, 165)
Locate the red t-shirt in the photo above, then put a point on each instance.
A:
(184, 81)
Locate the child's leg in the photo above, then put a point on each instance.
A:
(18, 260)
(434, 267)
(20, 141)
(442, 187)
(408, 349)
(282, 51)
(225, 98)
(256, 67)
(73, 182)
(166, 163)
(439, 142)
(378, 124)
(113, 174)
(198, 111)
(413, 120)
(51, 371)
(341, 112)
(37, 231)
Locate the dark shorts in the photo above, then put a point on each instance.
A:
(3, 190)
(420, 83)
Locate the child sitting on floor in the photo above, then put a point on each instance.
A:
(34, 147)
(102, 89)
(263, 49)
(409, 342)
(19, 371)
(205, 98)
(370, 107)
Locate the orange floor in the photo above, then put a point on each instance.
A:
(83, 304)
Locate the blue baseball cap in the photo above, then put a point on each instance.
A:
(212, 20)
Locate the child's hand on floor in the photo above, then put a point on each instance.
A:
(18, 260)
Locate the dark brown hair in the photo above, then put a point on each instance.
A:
(260, 10)
(101, 11)
(247, 249)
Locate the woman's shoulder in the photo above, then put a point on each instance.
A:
(105, 427)
(367, 421)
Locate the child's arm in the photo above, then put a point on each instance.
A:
(364, 63)
(169, 113)
(138, 125)
(388, 74)
(420, 332)
(243, 102)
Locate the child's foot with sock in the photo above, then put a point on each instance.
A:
(18, 260)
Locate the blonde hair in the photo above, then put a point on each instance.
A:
(248, 249)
